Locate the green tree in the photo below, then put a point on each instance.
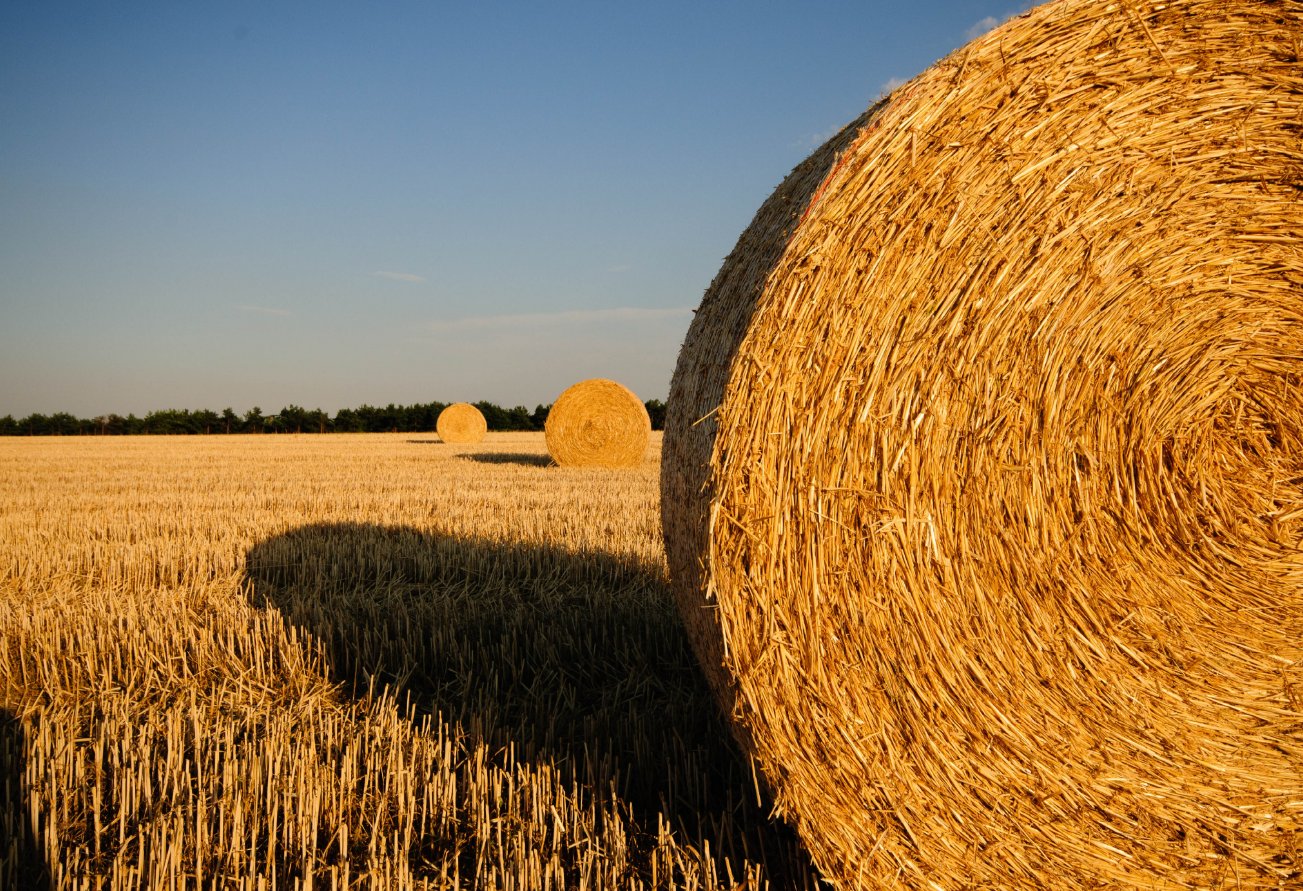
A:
(518, 419)
(292, 417)
(64, 424)
(656, 412)
(348, 421)
(206, 421)
(171, 420)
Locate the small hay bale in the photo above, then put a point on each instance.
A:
(982, 477)
(461, 423)
(597, 423)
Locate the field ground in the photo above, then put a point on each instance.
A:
(373, 661)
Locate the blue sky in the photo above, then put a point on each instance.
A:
(206, 205)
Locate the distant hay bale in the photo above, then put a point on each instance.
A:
(461, 423)
(982, 477)
(597, 423)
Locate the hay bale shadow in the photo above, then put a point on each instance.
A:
(526, 460)
(22, 865)
(578, 660)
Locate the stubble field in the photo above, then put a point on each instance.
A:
(354, 661)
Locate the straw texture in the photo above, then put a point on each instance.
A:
(983, 464)
(597, 423)
(461, 423)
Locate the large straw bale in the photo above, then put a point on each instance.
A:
(461, 423)
(597, 423)
(983, 465)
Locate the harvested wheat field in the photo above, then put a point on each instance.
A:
(983, 464)
(354, 661)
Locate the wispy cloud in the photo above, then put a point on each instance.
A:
(262, 310)
(400, 276)
(562, 317)
(894, 83)
(977, 29)
(814, 140)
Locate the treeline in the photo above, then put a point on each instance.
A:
(419, 418)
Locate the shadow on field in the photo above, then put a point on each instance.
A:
(509, 458)
(576, 659)
(22, 865)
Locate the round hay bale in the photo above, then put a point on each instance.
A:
(597, 423)
(982, 477)
(461, 423)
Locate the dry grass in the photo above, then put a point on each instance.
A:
(367, 661)
(984, 464)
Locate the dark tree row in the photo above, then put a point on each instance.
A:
(419, 418)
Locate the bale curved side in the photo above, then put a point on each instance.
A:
(461, 423)
(983, 464)
(697, 389)
(597, 423)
